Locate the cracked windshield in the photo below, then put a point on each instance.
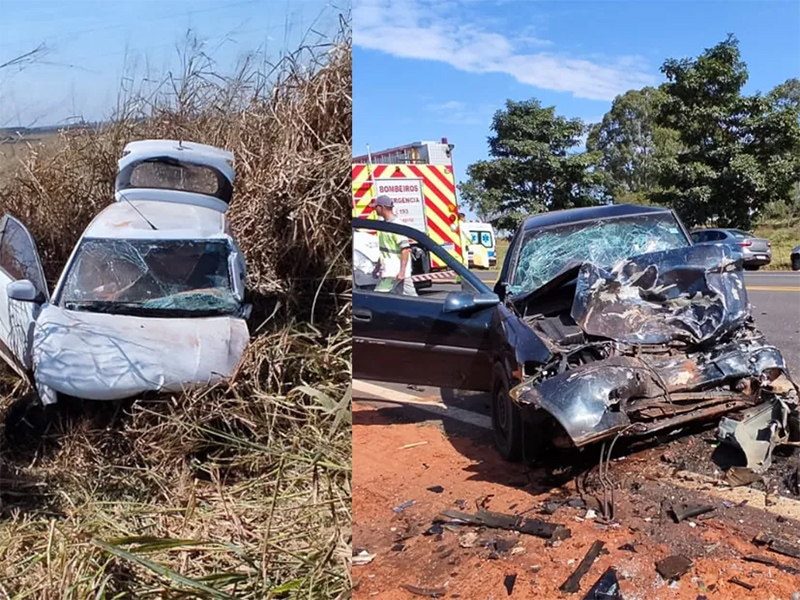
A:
(547, 252)
(146, 276)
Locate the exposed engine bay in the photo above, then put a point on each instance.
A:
(657, 341)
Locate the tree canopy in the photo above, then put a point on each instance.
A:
(533, 166)
(696, 143)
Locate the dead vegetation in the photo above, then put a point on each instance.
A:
(241, 491)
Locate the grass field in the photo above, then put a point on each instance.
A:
(241, 491)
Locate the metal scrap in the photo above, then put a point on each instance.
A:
(687, 512)
(530, 526)
(509, 582)
(765, 560)
(605, 588)
(749, 587)
(673, 567)
(776, 545)
(572, 584)
(757, 434)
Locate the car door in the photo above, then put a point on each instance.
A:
(423, 340)
(19, 260)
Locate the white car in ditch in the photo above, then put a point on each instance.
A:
(152, 297)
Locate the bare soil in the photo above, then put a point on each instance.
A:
(649, 479)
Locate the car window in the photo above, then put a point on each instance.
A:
(544, 253)
(369, 263)
(18, 257)
(150, 277)
(698, 237)
(486, 239)
(473, 237)
(739, 234)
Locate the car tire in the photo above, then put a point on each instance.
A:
(751, 267)
(796, 262)
(506, 418)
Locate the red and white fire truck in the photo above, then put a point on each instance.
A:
(419, 177)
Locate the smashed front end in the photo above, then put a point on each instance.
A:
(663, 339)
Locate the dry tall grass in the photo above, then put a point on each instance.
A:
(241, 491)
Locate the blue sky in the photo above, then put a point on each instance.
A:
(426, 69)
(90, 45)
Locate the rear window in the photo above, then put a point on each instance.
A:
(166, 173)
(739, 234)
(175, 176)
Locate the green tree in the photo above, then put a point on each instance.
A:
(532, 168)
(738, 153)
(630, 144)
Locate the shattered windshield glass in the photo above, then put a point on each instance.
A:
(174, 175)
(547, 252)
(151, 278)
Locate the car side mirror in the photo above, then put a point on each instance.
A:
(22, 290)
(464, 302)
(237, 275)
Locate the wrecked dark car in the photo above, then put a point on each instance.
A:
(604, 322)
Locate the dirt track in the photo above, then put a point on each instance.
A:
(649, 481)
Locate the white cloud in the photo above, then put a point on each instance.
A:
(419, 29)
(455, 111)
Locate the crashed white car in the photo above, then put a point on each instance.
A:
(152, 297)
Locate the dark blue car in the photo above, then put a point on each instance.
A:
(604, 322)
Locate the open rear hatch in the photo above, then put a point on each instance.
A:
(176, 171)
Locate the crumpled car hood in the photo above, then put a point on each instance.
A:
(691, 295)
(101, 356)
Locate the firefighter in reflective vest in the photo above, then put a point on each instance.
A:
(465, 242)
(395, 254)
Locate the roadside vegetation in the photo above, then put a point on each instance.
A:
(696, 143)
(243, 490)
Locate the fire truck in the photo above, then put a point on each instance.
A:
(419, 178)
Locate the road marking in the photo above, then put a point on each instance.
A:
(772, 288)
(383, 394)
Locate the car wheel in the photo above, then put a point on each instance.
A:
(506, 418)
(796, 262)
(751, 267)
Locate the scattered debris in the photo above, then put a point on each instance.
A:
(434, 529)
(398, 547)
(765, 560)
(605, 588)
(627, 547)
(673, 567)
(687, 512)
(401, 507)
(576, 503)
(758, 432)
(468, 540)
(590, 514)
(572, 584)
(738, 476)
(414, 445)
(436, 489)
(428, 593)
(749, 587)
(530, 526)
(509, 582)
(777, 546)
(415, 387)
(363, 558)
(461, 503)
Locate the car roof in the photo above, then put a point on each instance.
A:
(124, 220)
(592, 213)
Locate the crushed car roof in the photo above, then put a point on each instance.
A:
(592, 213)
(171, 220)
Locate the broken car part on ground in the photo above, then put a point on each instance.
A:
(605, 322)
(152, 297)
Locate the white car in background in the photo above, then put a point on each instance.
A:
(152, 297)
